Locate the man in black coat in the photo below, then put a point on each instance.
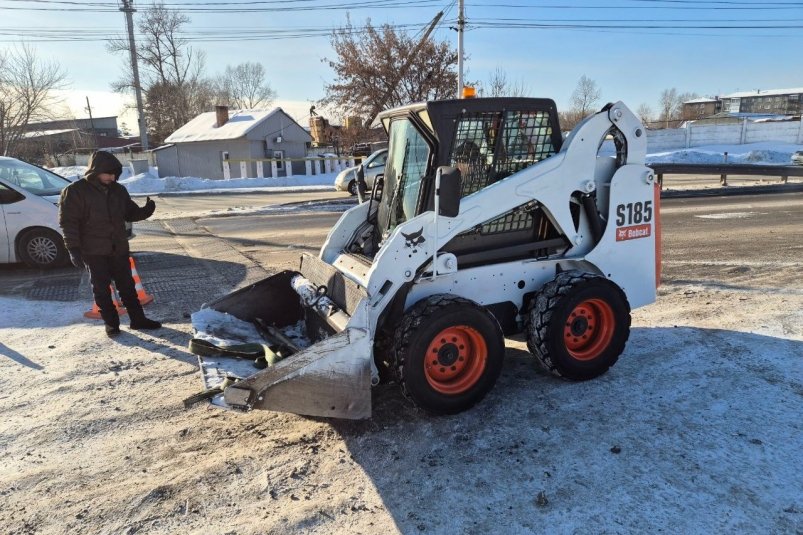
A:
(92, 216)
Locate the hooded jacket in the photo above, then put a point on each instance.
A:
(92, 216)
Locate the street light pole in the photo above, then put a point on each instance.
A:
(143, 128)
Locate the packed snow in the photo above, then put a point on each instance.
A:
(151, 184)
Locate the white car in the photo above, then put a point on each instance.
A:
(373, 165)
(797, 157)
(29, 228)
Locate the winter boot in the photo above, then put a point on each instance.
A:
(112, 322)
(144, 324)
(138, 320)
(112, 330)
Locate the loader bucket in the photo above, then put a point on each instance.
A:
(331, 378)
(273, 300)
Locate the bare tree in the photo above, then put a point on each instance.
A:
(369, 59)
(585, 96)
(499, 86)
(27, 87)
(244, 86)
(171, 71)
(668, 105)
(644, 113)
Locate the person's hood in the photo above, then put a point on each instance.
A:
(103, 162)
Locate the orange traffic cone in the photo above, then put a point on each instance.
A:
(142, 295)
(94, 313)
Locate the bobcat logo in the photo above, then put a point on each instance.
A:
(621, 234)
(413, 240)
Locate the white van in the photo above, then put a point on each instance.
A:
(29, 215)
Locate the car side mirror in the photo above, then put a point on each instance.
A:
(448, 191)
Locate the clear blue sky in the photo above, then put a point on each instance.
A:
(632, 49)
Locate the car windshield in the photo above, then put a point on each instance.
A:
(31, 178)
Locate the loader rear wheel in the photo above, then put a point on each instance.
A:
(578, 324)
(448, 352)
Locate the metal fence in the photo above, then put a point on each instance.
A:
(270, 168)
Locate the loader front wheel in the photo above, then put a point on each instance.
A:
(578, 324)
(448, 353)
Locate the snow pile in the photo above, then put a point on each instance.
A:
(75, 172)
(71, 172)
(767, 153)
(223, 329)
(146, 183)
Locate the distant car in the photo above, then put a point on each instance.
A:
(798, 157)
(373, 165)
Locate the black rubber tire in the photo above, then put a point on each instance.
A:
(352, 187)
(549, 325)
(42, 248)
(421, 326)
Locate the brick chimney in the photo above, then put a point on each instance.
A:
(221, 115)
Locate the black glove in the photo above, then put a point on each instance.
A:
(75, 257)
(150, 206)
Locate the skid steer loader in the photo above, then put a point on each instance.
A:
(488, 224)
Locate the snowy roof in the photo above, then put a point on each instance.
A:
(43, 133)
(764, 92)
(700, 100)
(163, 147)
(203, 128)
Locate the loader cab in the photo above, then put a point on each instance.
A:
(487, 140)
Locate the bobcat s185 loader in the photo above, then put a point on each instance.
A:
(488, 223)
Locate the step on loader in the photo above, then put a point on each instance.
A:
(486, 223)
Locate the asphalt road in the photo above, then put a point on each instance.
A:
(741, 240)
(751, 241)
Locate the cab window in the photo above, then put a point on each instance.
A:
(404, 171)
(489, 146)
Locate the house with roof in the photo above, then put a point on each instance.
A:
(200, 147)
(761, 103)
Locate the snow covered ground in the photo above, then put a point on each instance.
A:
(150, 183)
(697, 429)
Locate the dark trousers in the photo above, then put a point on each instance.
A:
(102, 271)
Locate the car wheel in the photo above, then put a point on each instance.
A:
(42, 248)
(352, 189)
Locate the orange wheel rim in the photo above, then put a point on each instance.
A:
(455, 360)
(589, 329)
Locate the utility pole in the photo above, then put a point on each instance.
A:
(143, 128)
(92, 125)
(461, 24)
